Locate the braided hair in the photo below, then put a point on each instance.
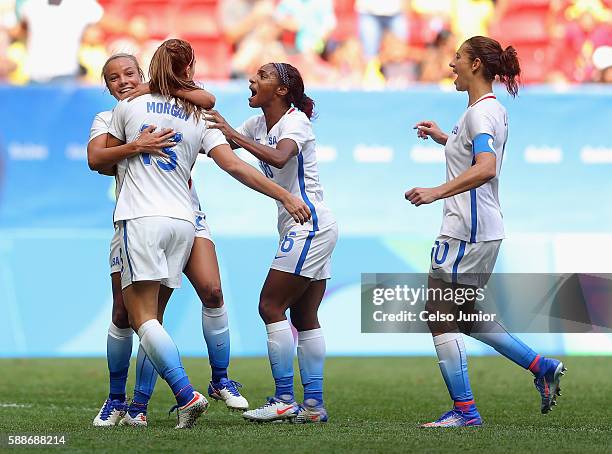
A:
(292, 79)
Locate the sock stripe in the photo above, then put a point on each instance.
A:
(534, 363)
(465, 404)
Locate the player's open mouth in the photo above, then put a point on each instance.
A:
(125, 90)
(253, 92)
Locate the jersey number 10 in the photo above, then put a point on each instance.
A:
(162, 164)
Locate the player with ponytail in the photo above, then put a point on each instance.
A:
(466, 249)
(283, 141)
(155, 213)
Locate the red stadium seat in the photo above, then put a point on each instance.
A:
(197, 17)
(213, 56)
(535, 61)
(522, 27)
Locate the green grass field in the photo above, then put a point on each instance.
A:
(375, 404)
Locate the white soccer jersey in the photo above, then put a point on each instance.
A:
(153, 186)
(300, 176)
(101, 125)
(475, 215)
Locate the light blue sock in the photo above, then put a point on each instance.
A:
(118, 353)
(280, 352)
(453, 365)
(311, 356)
(216, 333)
(146, 376)
(496, 336)
(164, 355)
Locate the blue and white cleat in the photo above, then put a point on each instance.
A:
(274, 410)
(135, 416)
(310, 412)
(548, 384)
(456, 418)
(227, 391)
(111, 413)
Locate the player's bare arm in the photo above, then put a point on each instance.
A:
(276, 157)
(105, 151)
(247, 175)
(482, 171)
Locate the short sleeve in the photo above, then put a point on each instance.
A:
(212, 138)
(479, 121)
(100, 125)
(117, 123)
(297, 127)
(247, 128)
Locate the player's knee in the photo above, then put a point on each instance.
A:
(120, 318)
(211, 295)
(268, 310)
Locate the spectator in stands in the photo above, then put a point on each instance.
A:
(602, 60)
(240, 22)
(588, 26)
(258, 48)
(399, 61)
(375, 18)
(312, 21)
(6, 65)
(346, 61)
(434, 66)
(54, 31)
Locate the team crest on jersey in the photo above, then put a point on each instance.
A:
(272, 140)
(456, 129)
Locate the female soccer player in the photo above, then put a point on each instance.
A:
(123, 77)
(283, 141)
(472, 228)
(171, 53)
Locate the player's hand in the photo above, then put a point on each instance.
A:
(153, 142)
(429, 128)
(422, 196)
(139, 90)
(214, 120)
(297, 209)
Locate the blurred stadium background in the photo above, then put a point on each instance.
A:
(55, 214)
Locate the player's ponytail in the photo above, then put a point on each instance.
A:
(510, 70)
(167, 72)
(496, 61)
(292, 79)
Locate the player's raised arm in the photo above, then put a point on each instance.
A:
(199, 96)
(247, 175)
(276, 157)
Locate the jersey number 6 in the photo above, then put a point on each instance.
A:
(164, 165)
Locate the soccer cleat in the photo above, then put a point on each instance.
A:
(191, 411)
(111, 413)
(548, 384)
(272, 411)
(138, 420)
(456, 418)
(310, 413)
(227, 391)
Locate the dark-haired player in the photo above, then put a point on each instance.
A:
(472, 228)
(283, 141)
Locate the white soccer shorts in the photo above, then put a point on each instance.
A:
(307, 253)
(201, 226)
(461, 262)
(155, 248)
(114, 259)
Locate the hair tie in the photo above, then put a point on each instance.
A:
(282, 72)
